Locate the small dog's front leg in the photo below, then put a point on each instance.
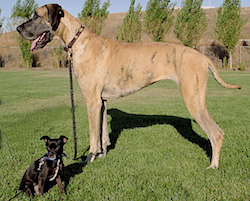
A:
(59, 183)
(39, 187)
(36, 189)
(29, 192)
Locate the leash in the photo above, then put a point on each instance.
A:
(69, 50)
(70, 59)
(72, 101)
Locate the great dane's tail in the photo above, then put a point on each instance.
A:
(217, 77)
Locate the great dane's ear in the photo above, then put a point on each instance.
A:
(55, 13)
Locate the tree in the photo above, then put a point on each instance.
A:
(1, 31)
(1, 23)
(93, 15)
(131, 28)
(191, 22)
(158, 19)
(228, 25)
(23, 11)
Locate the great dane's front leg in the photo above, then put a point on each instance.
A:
(94, 105)
(104, 132)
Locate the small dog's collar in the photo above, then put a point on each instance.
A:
(46, 157)
(41, 163)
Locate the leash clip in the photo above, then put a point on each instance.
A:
(69, 53)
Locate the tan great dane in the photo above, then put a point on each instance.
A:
(107, 69)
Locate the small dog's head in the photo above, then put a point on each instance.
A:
(54, 146)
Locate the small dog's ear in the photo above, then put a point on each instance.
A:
(45, 138)
(63, 138)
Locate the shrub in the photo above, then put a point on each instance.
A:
(228, 25)
(93, 15)
(191, 22)
(131, 28)
(158, 19)
(23, 11)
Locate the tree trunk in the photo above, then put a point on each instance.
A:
(230, 60)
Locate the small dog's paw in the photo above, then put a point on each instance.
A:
(36, 189)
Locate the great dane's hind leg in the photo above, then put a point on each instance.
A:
(105, 141)
(214, 133)
(195, 100)
(94, 104)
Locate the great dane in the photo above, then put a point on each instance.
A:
(106, 69)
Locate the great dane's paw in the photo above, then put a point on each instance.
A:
(212, 167)
(90, 158)
(102, 154)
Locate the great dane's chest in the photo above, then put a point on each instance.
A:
(116, 91)
(123, 81)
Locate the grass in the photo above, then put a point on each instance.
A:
(158, 151)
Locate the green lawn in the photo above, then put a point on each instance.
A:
(158, 151)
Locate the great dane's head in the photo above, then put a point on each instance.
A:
(42, 25)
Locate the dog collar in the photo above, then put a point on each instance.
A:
(46, 157)
(71, 43)
(41, 163)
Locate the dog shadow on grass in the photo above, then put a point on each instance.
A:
(122, 120)
(71, 170)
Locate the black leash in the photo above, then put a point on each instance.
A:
(72, 101)
(19, 193)
(69, 50)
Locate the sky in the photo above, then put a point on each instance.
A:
(75, 6)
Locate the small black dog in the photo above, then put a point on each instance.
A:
(45, 169)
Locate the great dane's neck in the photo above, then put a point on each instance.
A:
(67, 29)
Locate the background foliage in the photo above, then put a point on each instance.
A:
(93, 15)
(158, 19)
(1, 23)
(131, 28)
(191, 22)
(228, 25)
(24, 10)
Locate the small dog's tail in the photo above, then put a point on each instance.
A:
(21, 188)
(22, 185)
(217, 77)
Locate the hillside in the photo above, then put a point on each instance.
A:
(116, 19)
(11, 56)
